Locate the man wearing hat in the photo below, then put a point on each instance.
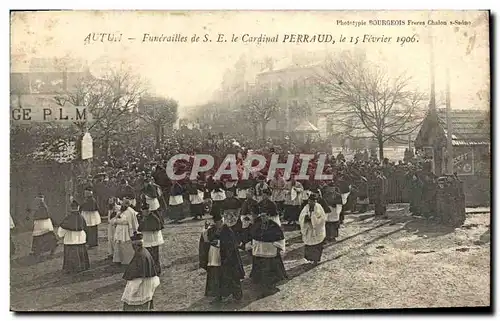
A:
(260, 187)
(125, 191)
(219, 256)
(113, 210)
(229, 185)
(151, 225)
(268, 207)
(72, 231)
(249, 211)
(333, 208)
(231, 211)
(90, 213)
(293, 201)
(277, 185)
(312, 225)
(242, 188)
(150, 194)
(125, 225)
(196, 194)
(44, 238)
(142, 278)
(101, 192)
(218, 196)
(268, 245)
(344, 185)
(176, 202)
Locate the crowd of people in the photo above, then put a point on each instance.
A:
(133, 191)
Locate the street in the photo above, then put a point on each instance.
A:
(399, 262)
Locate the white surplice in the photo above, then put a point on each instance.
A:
(313, 232)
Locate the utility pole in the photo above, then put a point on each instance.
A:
(432, 101)
(449, 125)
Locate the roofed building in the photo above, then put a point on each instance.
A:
(471, 148)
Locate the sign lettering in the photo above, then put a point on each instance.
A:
(50, 114)
(464, 163)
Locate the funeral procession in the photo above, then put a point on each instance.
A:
(171, 177)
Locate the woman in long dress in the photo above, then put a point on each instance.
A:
(125, 225)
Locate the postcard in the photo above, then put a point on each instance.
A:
(184, 161)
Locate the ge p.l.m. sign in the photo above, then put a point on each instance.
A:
(50, 114)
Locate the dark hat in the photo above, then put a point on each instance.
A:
(88, 188)
(40, 195)
(136, 237)
(145, 206)
(74, 206)
(217, 217)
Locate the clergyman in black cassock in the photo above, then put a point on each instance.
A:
(219, 256)
(151, 225)
(142, 279)
(44, 238)
(72, 231)
(90, 213)
(268, 241)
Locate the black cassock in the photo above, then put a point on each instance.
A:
(222, 280)
(142, 266)
(152, 223)
(250, 207)
(76, 257)
(90, 205)
(267, 271)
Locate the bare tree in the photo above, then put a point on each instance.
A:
(259, 109)
(160, 113)
(367, 101)
(112, 101)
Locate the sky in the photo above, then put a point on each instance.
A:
(190, 72)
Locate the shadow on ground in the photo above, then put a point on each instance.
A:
(89, 295)
(30, 260)
(98, 270)
(252, 292)
(423, 227)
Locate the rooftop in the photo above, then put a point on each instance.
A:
(287, 64)
(470, 127)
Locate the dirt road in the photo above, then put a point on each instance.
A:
(394, 263)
